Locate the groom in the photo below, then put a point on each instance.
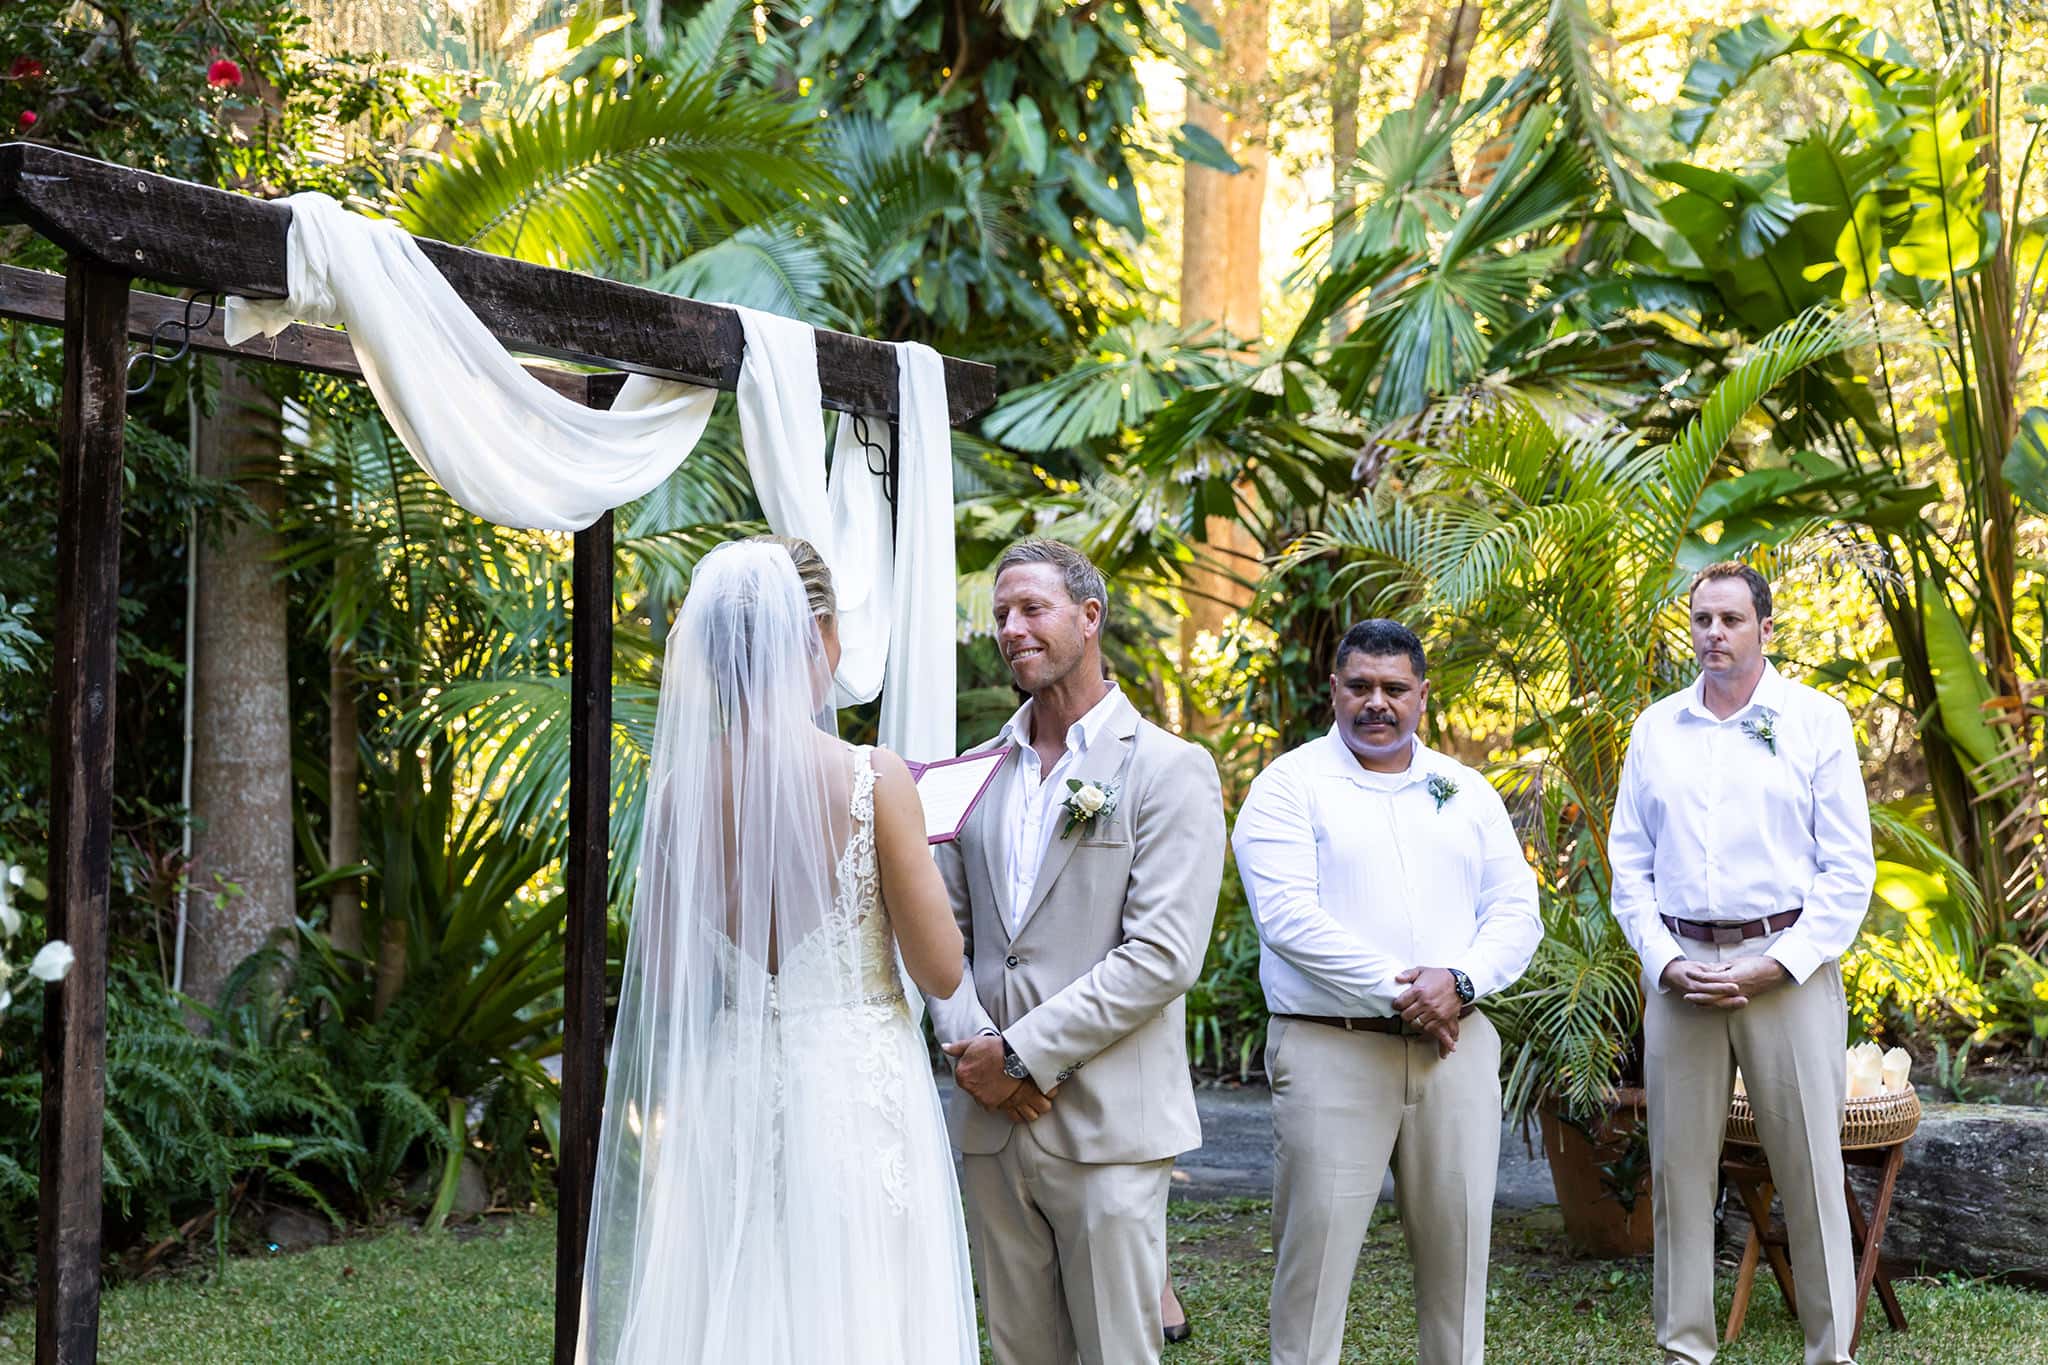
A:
(1085, 883)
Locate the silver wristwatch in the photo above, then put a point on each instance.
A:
(1013, 1065)
(1464, 984)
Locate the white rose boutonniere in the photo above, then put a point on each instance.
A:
(1442, 788)
(1086, 803)
(1764, 730)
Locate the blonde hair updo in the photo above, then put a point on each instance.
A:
(810, 570)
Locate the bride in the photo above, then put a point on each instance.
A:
(774, 1182)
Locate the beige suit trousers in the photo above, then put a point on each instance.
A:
(1789, 1043)
(1070, 1255)
(1343, 1105)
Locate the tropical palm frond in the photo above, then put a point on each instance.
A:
(1402, 183)
(1130, 373)
(587, 183)
(1432, 320)
(707, 37)
(909, 213)
(782, 266)
(1682, 470)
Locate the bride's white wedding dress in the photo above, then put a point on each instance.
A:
(774, 1181)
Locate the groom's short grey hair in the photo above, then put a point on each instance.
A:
(1083, 580)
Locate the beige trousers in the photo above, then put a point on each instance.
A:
(1343, 1105)
(1070, 1256)
(1789, 1043)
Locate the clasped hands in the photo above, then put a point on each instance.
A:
(978, 1069)
(1431, 1004)
(1723, 985)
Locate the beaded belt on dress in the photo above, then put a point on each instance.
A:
(776, 1005)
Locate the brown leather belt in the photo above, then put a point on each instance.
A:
(1371, 1023)
(1731, 931)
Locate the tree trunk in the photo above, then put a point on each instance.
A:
(1452, 33)
(1219, 283)
(242, 853)
(344, 813)
(396, 890)
(1219, 269)
(1347, 17)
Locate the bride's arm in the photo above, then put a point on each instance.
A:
(919, 908)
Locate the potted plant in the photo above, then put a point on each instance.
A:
(1571, 1031)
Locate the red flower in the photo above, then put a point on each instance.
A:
(224, 74)
(28, 119)
(26, 69)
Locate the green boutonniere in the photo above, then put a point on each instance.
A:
(1763, 730)
(1442, 788)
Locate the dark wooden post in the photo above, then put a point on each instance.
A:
(82, 811)
(583, 945)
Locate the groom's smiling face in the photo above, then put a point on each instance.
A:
(1043, 631)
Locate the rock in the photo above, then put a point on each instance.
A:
(291, 1230)
(472, 1194)
(1972, 1197)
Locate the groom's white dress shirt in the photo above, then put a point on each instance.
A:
(1714, 823)
(1031, 799)
(1355, 876)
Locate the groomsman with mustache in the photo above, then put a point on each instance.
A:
(1390, 894)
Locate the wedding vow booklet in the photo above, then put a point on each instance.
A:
(950, 789)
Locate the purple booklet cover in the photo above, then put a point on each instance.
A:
(951, 788)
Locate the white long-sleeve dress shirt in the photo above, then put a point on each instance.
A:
(1031, 798)
(1716, 823)
(1029, 803)
(1355, 876)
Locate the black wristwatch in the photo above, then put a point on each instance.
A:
(1013, 1065)
(1464, 984)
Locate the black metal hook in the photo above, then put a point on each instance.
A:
(875, 451)
(170, 341)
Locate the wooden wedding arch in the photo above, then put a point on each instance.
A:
(119, 225)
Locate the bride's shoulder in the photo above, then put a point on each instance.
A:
(888, 767)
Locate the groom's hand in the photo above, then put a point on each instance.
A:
(1030, 1103)
(978, 1068)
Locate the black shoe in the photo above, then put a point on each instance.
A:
(1178, 1332)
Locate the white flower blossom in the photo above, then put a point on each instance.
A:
(52, 961)
(1089, 799)
(10, 919)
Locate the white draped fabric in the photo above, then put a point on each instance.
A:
(896, 593)
(502, 443)
(514, 451)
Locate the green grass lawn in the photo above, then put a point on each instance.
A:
(406, 1298)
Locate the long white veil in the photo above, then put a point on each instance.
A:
(705, 1175)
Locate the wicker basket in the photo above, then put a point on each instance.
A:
(1867, 1121)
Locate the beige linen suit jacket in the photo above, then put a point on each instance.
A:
(1088, 989)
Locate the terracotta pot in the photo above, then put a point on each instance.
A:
(1595, 1221)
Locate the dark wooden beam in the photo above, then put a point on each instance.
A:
(586, 883)
(81, 811)
(218, 241)
(38, 296)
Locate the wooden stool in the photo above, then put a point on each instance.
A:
(1748, 1171)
